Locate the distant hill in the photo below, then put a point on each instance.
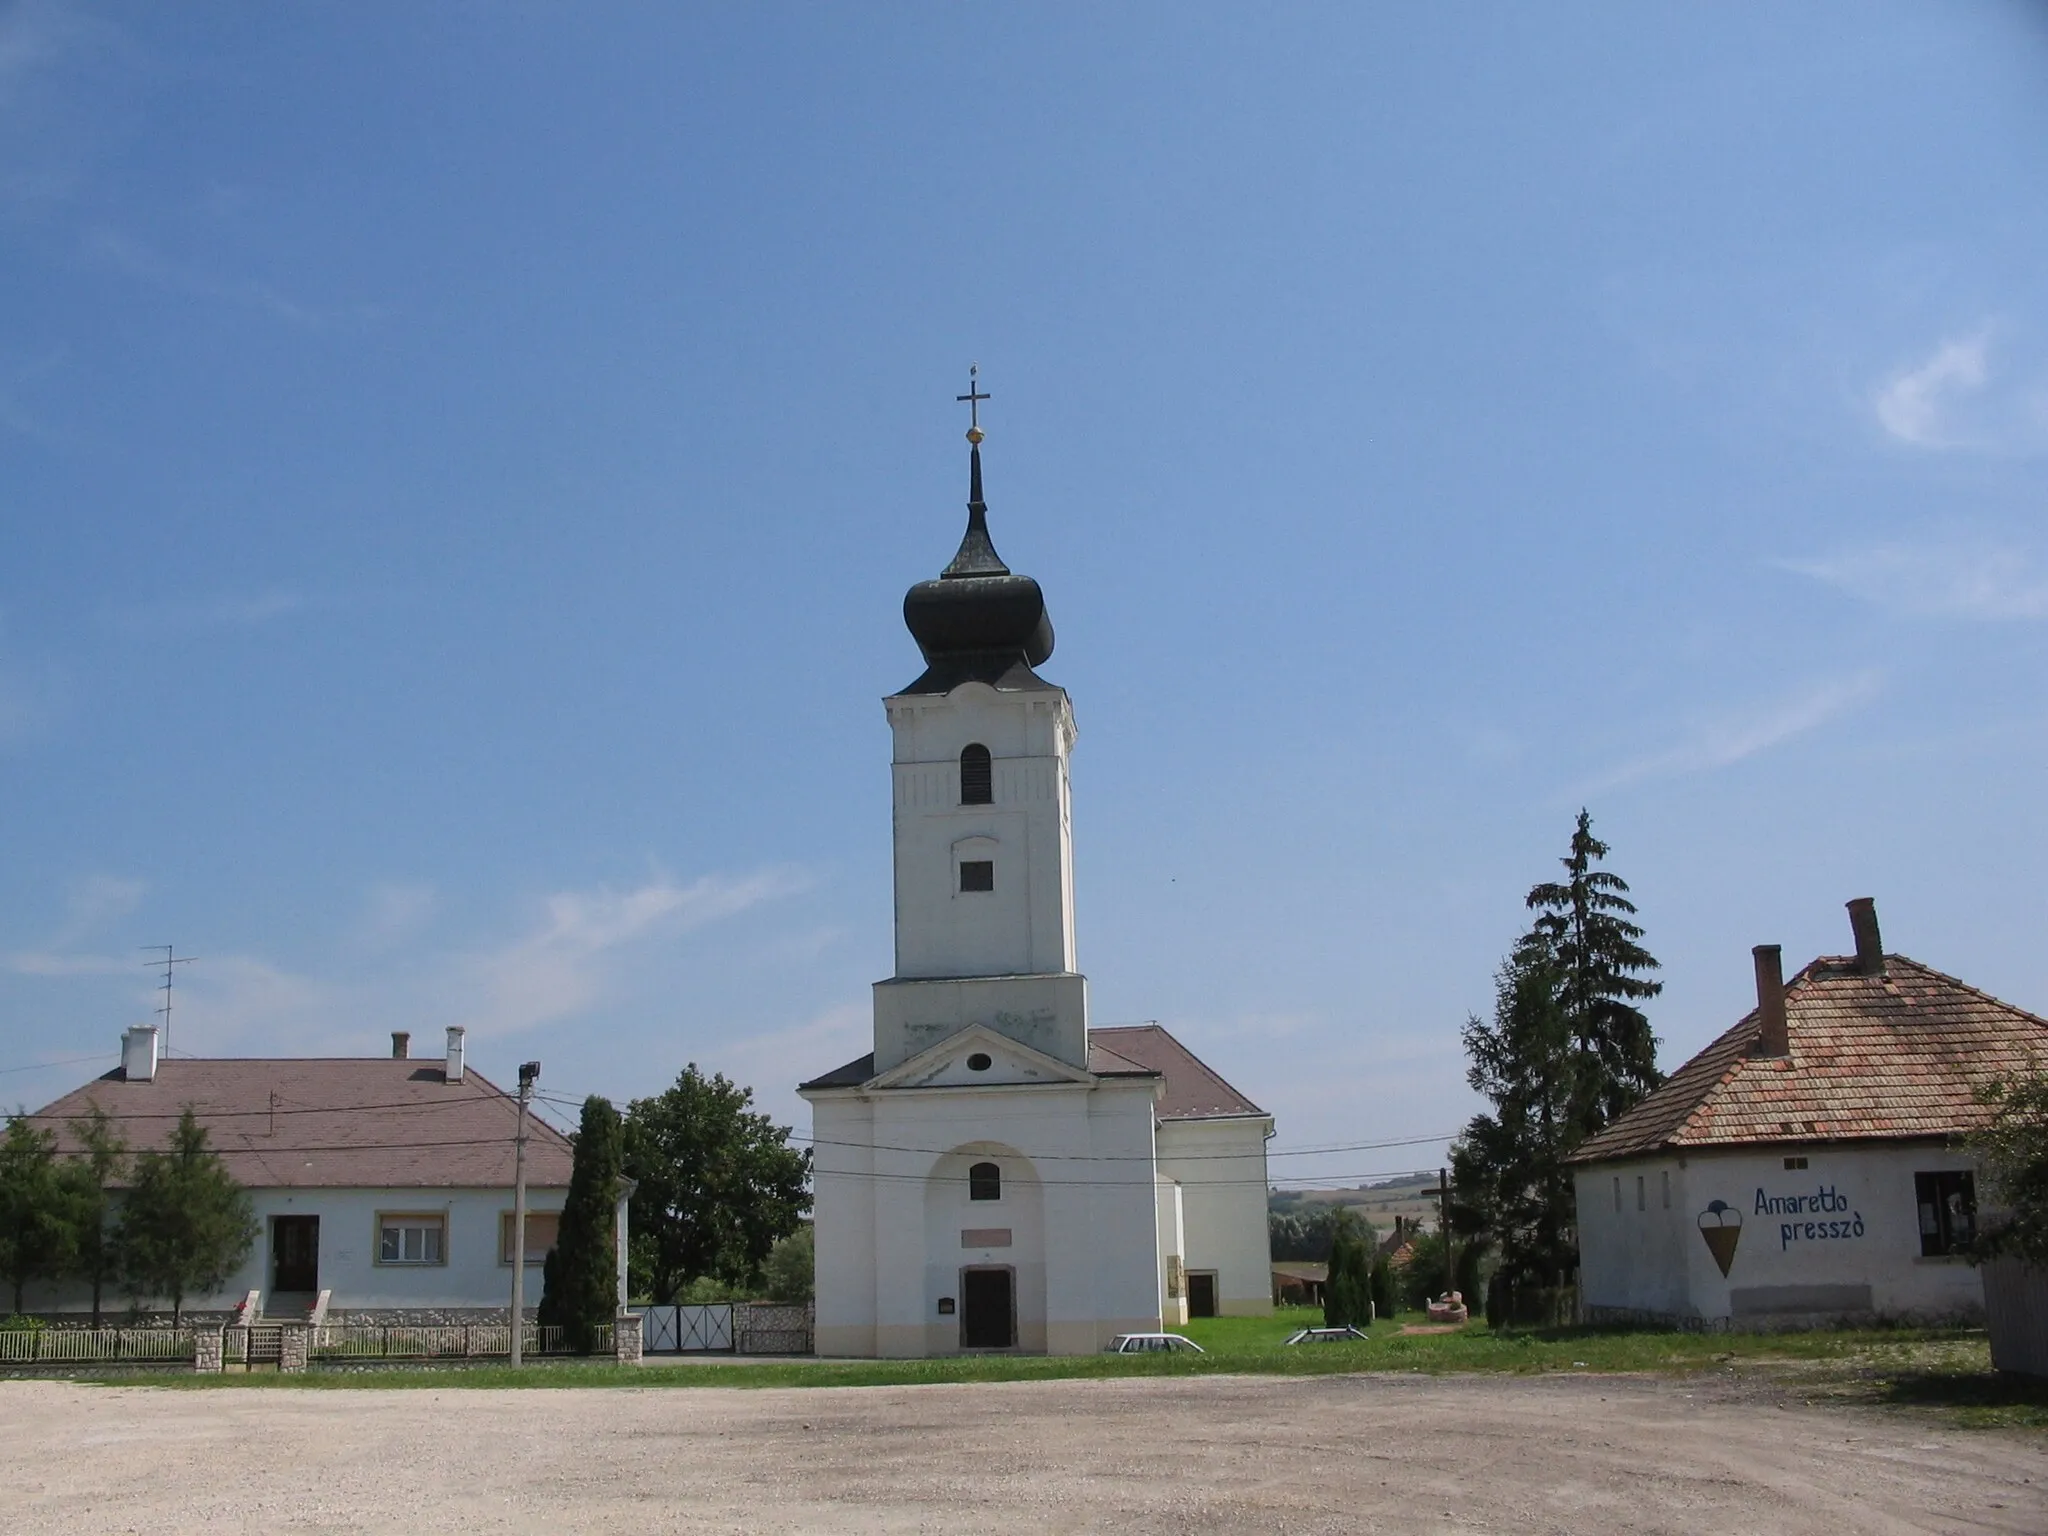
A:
(1411, 1195)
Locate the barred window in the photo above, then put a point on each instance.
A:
(1948, 1211)
(977, 776)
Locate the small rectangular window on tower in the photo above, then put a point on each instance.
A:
(977, 874)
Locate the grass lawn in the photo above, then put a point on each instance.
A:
(1945, 1369)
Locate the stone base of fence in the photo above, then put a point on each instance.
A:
(209, 1346)
(626, 1337)
(294, 1346)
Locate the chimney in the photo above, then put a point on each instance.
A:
(1771, 1039)
(454, 1073)
(401, 1044)
(1869, 946)
(138, 1054)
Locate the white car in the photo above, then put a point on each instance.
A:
(1152, 1344)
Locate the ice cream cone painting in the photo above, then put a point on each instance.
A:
(1721, 1226)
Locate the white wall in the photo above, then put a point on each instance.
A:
(1025, 925)
(472, 1275)
(890, 1211)
(1856, 1224)
(1220, 1166)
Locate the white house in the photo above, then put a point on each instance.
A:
(1806, 1167)
(996, 1174)
(382, 1184)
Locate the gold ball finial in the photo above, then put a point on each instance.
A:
(975, 436)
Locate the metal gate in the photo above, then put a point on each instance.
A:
(687, 1330)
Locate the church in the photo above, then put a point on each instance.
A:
(997, 1174)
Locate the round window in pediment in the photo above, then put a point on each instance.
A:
(979, 1062)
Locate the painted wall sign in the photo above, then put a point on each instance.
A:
(1825, 1201)
(1721, 1226)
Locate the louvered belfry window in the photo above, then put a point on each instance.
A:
(977, 776)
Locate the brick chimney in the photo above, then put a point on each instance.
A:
(1869, 944)
(138, 1054)
(1771, 1038)
(454, 1072)
(401, 1044)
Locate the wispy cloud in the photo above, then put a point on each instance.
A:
(1977, 582)
(1953, 399)
(1733, 737)
(123, 254)
(579, 950)
(225, 611)
(558, 969)
(396, 913)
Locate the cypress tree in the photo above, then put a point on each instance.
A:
(92, 1177)
(1347, 1293)
(37, 1233)
(579, 1285)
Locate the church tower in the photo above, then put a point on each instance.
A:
(984, 854)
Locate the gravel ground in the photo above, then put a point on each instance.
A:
(1586, 1455)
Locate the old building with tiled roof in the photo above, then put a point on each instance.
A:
(1807, 1165)
(382, 1186)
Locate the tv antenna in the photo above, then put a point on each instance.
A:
(170, 962)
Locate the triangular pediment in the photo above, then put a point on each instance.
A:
(957, 1062)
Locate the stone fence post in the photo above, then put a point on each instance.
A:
(626, 1338)
(208, 1348)
(294, 1347)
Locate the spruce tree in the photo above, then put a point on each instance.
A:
(1589, 922)
(1512, 1187)
(186, 1224)
(579, 1287)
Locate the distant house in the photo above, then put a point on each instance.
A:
(383, 1184)
(1299, 1282)
(1807, 1166)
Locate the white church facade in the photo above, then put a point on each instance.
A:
(996, 1174)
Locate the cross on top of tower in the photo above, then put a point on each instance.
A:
(973, 399)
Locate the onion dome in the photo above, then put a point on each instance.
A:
(977, 622)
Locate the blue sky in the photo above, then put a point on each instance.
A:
(462, 465)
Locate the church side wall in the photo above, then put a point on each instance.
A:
(842, 1165)
(1220, 1165)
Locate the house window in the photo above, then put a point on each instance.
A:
(1642, 1201)
(977, 776)
(1617, 1193)
(977, 874)
(1793, 1164)
(1665, 1177)
(984, 1182)
(412, 1239)
(540, 1235)
(1948, 1211)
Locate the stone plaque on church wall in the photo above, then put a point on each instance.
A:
(984, 1237)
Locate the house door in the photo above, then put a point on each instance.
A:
(295, 1253)
(1201, 1293)
(988, 1314)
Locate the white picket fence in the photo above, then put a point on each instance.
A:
(61, 1346)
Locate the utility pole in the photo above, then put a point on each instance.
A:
(529, 1073)
(170, 962)
(1443, 1191)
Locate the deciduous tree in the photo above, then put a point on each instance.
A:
(717, 1184)
(2012, 1151)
